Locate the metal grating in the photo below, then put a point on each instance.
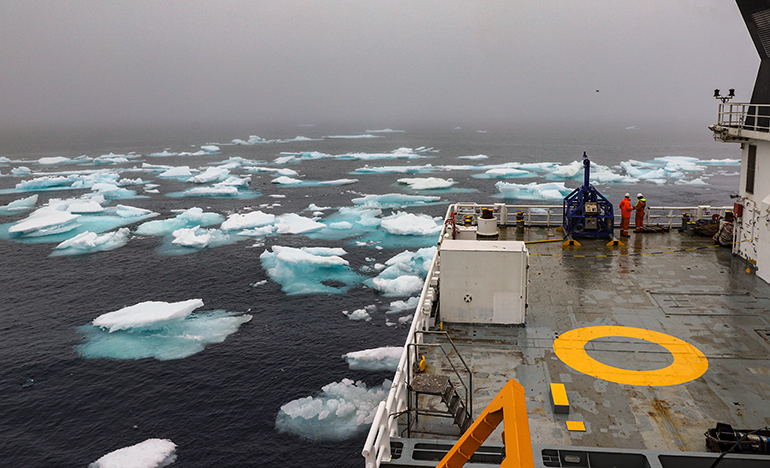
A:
(762, 20)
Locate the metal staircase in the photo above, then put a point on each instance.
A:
(441, 388)
(440, 385)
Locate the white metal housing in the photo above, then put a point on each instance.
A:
(483, 281)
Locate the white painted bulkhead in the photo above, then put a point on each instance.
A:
(752, 229)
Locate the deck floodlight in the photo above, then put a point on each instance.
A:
(730, 95)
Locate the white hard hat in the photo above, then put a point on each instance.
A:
(628, 195)
(639, 195)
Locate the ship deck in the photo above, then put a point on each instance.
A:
(634, 391)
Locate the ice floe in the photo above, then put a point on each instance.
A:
(410, 224)
(309, 270)
(192, 217)
(408, 305)
(395, 200)
(19, 206)
(533, 191)
(211, 174)
(160, 330)
(89, 242)
(152, 453)
(254, 219)
(147, 313)
(428, 183)
(385, 358)
(294, 182)
(342, 410)
(404, 273)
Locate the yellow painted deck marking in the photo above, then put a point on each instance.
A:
(689, 363)
(576, 426)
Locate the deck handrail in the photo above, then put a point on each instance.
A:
(744, 115)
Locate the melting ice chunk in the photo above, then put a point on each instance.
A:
(428, 183)
(88, 242)
(533, 191)
(17, 206)
(409, 224)
(147, 313)
(152, 453)
(394, 200)
(309, 270)
(385, 358)
(341, 411)
(170, 333)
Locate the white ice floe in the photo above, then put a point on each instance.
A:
(309, 270)
(210, 191)
(46, 220)
(186, 219)
(394, 200)
(292, 223)
(152, 453)
(164, 153)
(17, 206)
(533, 191)
(254, 219)
(54, 160)
(428, 183)
(351, 137)
(211, 174)
(475, 157)
(504, 173)
(194, 237)
(281, 171)
(342, 410)
(358, 314)
(698, 182)
(294, 182)
(253, 140)
(89, 242)
(425, 169)
(376, 359)
(409, 224)
(176, 172)
(144, 314)
(404, 273)
(409, 305)
(210, 148)
(175, 338)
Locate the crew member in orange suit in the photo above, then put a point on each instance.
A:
(639, 207)
(625, 215)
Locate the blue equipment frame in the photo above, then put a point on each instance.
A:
(586, 211)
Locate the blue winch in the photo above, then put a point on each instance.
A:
(586, 211)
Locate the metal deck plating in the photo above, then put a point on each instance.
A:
(702, 308)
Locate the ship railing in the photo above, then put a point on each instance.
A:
(551, 215)
(385, 422)
(746, 116)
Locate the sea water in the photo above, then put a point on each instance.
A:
(307, 253)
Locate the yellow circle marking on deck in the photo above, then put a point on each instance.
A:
(689, 363)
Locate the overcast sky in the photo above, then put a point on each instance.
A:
(382, 62)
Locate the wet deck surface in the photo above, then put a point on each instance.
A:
(702, 297)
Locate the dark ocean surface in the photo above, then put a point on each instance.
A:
(219, 406)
